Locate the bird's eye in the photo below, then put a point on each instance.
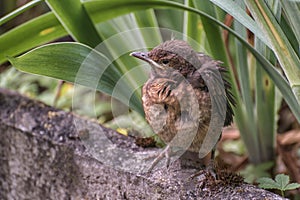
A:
(165, 62)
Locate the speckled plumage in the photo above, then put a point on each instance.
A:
(176, 97)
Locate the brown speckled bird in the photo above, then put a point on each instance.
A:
(180, 92)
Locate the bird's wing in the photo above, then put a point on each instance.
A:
(213, 75)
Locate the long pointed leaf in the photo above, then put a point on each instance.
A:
(190, 23)
(245, 109)
(292, 10)
(105, 7)
(38, 31)
(280, 45)
(19, 11)
(240, 15)
(213, 31)
(77, 63)
(75, 19)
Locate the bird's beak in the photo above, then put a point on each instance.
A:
(141, 55)
(144, 56)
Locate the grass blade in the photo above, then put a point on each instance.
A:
(19, 11)
(280, 45)
(76, 21)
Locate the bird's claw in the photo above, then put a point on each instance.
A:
(158, 157)
(208, 170)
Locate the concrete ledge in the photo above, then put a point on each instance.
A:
(42, 157)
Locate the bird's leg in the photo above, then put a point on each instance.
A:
(158, 157)
(209, 166)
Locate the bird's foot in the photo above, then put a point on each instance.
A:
(211, 168)
(166, 153)
(207, 170)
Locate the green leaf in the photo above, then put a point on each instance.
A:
(283, 180)
(267, 183)
(101, 10)
(190, 23)
(281, 183)
(123, 42)
(245, 109)
(19, 11)
(292, 12)
(240, 15)
(37, 31)
(254, 172)
(212, 30)
(265, 106)
(282, 48)
(146, 18)
(79, 64)
(75, 20)
(292, 186)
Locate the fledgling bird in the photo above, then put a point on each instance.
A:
(180, 92)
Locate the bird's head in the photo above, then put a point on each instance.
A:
(172, 55)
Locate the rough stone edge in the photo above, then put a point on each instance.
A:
(41, 157)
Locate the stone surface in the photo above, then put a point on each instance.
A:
(43, 157)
